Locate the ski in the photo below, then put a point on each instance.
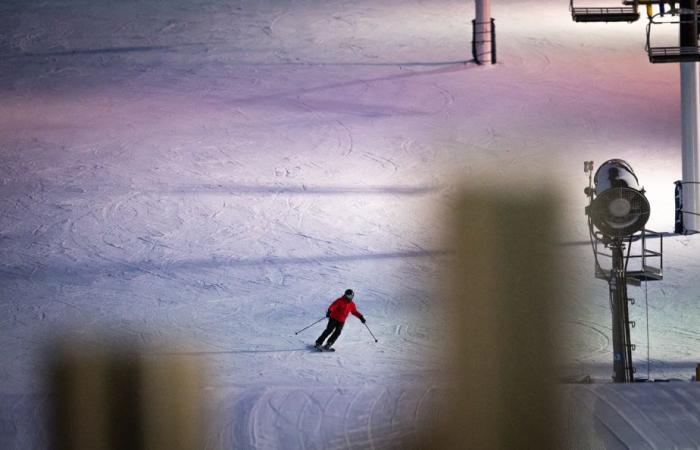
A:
(321, 349)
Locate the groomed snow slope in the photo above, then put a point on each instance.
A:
(216, 172)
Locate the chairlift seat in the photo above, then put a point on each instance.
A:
(673, 54)
(640, 2)
(618, 14)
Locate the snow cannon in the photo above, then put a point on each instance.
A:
(619, 210)
(618, 205)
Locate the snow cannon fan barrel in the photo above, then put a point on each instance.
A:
(618, 207)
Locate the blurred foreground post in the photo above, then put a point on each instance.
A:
(118, 398)
(504, 312)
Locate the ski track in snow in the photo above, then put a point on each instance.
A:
(369, 417)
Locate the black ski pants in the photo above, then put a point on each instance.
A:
(335, 327)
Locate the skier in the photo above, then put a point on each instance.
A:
(337, 313)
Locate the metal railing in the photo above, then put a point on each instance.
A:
(479, 38)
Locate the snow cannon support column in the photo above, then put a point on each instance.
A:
(622, 345)
(689, 121)
(484, 44)
(504, 288)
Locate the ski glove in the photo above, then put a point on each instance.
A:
(362, 319)
(328, 313)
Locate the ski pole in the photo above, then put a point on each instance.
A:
(370, 332)
(310, 325)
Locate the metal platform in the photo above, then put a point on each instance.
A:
(617, 14)
(635, 277)
(639, 269)
(648, 274)
(673, 54)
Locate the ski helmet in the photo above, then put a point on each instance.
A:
(349, 294)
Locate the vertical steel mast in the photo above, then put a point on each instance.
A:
(622, 343)
(689, 118)
(484, 34)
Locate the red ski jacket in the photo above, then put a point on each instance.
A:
(340, 309)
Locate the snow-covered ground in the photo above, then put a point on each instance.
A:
(216, 173)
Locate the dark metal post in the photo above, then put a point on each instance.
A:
(474, 41)
(622, 346)
(493, 41)
(679, 228)
(688, 26)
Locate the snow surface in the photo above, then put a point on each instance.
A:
(217, 172)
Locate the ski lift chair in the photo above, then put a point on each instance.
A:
(605, 14)
(672, 54)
